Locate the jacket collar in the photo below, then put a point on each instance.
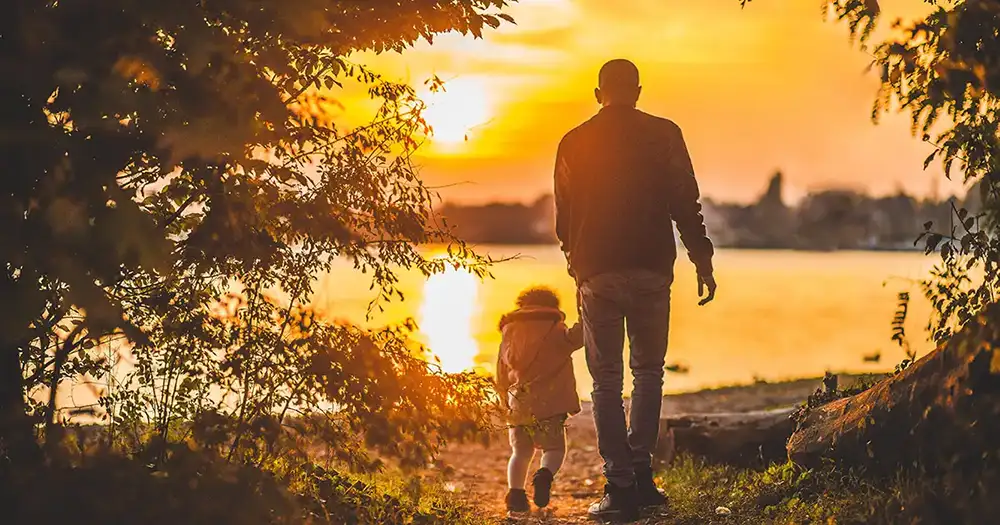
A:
(533, 313)
(617, 108)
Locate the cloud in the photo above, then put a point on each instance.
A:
(770, 86)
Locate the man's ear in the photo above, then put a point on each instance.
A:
(597, 95)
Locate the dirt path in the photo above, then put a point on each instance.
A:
(479, 471)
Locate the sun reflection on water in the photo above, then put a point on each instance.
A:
(447, 316)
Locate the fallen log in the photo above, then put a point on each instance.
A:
(942, 411)
(742, 438)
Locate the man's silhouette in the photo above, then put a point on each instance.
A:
(621, 180)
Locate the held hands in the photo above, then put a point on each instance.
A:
(706, 282)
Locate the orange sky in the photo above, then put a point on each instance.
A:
(773, 86)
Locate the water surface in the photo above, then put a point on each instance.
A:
(778, 314)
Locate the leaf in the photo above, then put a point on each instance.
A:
(995, 362)
(933, 240)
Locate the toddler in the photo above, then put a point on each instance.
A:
(537, 386)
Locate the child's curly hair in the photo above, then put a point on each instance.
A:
(538, 296)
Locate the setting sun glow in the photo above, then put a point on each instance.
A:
(455, 111)
(447, 316)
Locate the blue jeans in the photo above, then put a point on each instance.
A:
(636, 301)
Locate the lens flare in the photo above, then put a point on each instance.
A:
(447, 317)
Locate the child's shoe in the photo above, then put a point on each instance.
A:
(517, 501)
(542, 483)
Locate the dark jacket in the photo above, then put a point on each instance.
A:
(534, 369)
(620, 179)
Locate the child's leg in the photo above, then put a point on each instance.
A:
(522, 448)
(552, 440)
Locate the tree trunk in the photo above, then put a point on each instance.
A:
(942, 410)
(740, 438)
(17, 438)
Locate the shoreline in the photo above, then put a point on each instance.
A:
(741, 397)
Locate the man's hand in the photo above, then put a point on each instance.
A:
(706, 281)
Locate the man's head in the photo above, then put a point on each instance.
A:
(618, 83)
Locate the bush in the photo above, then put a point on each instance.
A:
(86, 483)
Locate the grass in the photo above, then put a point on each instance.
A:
(780, 494)
(787, 494)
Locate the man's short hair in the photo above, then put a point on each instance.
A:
(618, 74)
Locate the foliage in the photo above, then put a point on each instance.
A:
(787, 494)
(198, 485)
(176, 181)
(943, 71)
(899, 331)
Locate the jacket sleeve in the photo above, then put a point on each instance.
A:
(503, 380)
(574, 336)
(565, 340)
(563, 203)
(685, 205)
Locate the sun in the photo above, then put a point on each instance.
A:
(455, 111)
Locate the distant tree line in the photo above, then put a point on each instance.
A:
(502, 223)
(831, 219)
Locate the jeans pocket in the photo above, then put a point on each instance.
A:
(650, 283)
(604, 285)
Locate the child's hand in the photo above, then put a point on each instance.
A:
(575, 336)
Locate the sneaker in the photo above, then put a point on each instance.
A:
(618, 504)
(647, 492)
(517, 501)
(542, 483)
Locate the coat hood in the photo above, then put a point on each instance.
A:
(532, 313)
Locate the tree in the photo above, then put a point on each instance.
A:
(159, 155)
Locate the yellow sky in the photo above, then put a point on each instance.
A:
(773, 86)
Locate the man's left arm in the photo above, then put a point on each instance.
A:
(685, 208)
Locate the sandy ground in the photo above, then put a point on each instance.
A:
(479, 471)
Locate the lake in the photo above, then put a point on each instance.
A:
(777, 315)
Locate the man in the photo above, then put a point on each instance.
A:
(621, 179)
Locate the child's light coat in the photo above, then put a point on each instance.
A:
(534, 368)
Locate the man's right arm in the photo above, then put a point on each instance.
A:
(562, 199)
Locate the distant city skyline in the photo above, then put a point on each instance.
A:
(766, 88)
(829, 219)
(938, 189)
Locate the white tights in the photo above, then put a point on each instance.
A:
(550, 436)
